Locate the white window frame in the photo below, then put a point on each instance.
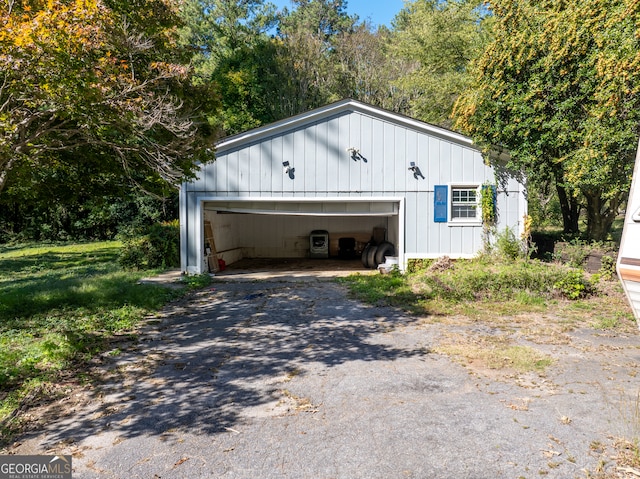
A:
(467, 187)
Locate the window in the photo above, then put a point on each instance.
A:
(464, 203)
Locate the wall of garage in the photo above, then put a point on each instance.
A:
(240, 236)
(343, 165)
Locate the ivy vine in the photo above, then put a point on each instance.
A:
(488, 204)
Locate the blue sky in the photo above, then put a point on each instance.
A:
(380, 12)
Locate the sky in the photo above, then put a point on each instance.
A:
(380, 12)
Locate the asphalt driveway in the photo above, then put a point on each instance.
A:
(286, 379)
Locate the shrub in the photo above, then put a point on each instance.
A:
(608, 268)
(508, 245)
(574, 285)
(414, 265)
(158, 248)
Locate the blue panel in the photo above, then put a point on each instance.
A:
(440, 205)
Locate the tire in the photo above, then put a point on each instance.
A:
(371, 257)
(384, 249)
(365, 255)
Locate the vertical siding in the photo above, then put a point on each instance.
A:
(322, 156)
(367, 151)
(407, 181)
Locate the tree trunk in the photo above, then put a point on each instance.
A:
(600, 215)
(570, 210)
(5, 167)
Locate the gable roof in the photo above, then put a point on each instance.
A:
(331, 110)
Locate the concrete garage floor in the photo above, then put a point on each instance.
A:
(291, 269)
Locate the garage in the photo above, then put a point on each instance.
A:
(283, 229)
(351, 171)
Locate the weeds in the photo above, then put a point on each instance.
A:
(495, 352)
(487, 278)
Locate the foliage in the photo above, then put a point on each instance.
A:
(488, 205)
(367, 69)
(94, 212)
(576, 252)
(320, 54)
(79, 301)
(574, 285)
(608, 267)
(103, 78)
(437, 39)
(415, 265)
(508, 246)
(234, 55)
(487, 278)
(544, 88)
(158, 248)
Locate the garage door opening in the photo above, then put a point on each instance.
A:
(280, 230)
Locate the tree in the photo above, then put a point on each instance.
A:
(542, 89)
(102, 76)
(366, 71)
(307, 60)
(437, 39)
(234, 56)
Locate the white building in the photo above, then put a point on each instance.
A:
(345, 168)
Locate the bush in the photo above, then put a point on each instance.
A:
(508, 245)
(158, 248)
(608, 267)
(414, 265)
(574, 285)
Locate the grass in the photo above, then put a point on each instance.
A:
(488, 285)
(521, 300)
(60, 306)
(495, 352)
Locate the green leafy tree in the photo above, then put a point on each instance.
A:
(437, 40)
(544, 88)
(307, 62)
(366, 70)
(234, 56)
(101, 76)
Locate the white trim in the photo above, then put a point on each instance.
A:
(464, 221)
(184, 231)
(201, 200)
(439, 255)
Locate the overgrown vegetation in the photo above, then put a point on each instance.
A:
(60, 306)
(487, 278)
(158, 247)
(505, 291)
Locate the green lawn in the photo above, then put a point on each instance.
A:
(59, 307)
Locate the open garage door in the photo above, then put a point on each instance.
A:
(269, 228)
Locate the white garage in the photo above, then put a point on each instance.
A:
(356, 172)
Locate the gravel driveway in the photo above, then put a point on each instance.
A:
(286, 379)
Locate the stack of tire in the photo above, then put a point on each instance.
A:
(374, 254)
